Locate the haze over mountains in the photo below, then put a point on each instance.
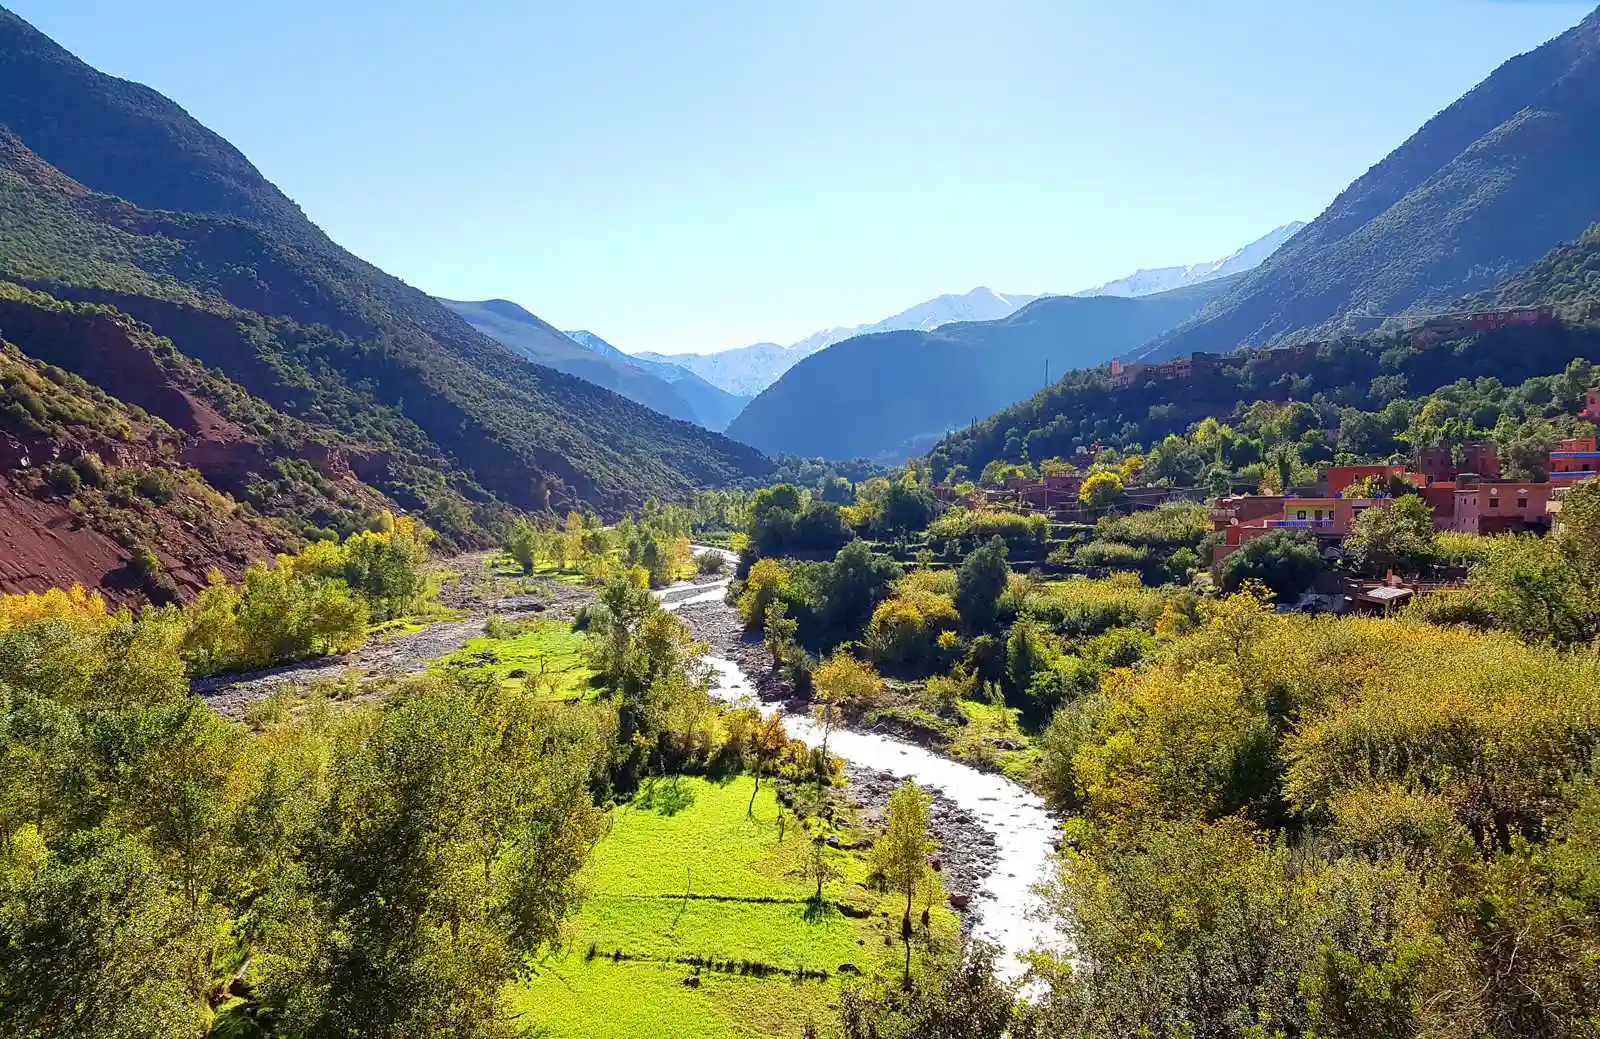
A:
(1165, 279)
(891, 395)
(668, 388)
(748, 370)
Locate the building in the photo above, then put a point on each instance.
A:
(1591, 399)
(1495, 507)
(1479, 458)
(1340, 477)
(1574, 459)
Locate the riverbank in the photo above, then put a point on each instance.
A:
(997, 839)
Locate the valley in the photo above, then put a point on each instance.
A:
(1213, 652)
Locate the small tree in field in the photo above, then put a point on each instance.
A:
(900, 855)
(819, 867)
(767, 744)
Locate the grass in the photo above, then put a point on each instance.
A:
(745, 904)
(547, 655)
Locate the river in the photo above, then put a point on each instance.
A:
(1008, 912)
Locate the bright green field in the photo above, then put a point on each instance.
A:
(549, 653)
(759, 910)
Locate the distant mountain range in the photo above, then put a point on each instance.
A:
(1482, 191)
(672, 390)
(1165, 279)
(748, 370)
(891, 395)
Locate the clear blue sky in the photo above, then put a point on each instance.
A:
(701, 175)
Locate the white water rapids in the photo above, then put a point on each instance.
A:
(1009, 914)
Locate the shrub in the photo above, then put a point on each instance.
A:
(905, 629)
(1111, 555)
(1285, 561)
(156, 485)
(1021, 533)
(63, 479)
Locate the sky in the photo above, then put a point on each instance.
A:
(693, 176)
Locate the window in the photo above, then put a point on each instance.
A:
(1300, 515)
(1522, 501)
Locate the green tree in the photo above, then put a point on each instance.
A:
(1285, 561)
(962, 999)
(95, 944)
(1397, 536)
(900, 854)
(857, 580)
(980, 583)
(447, 851)
(778, 630)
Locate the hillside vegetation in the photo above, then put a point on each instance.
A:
(891, 395)
(1483, 190)
(152, 215)
(1356, 375)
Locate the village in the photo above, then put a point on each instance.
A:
(1463, 486)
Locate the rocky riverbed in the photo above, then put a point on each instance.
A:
(968, 852)
(474, 593)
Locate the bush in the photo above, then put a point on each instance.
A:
(89, 470)
(1111, 555)
(156, 485)
(1285, 561)
(710, 563)
(62, 479)
(1021, 533)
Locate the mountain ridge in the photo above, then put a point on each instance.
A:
(889, 395)
(1483, 189)
(354, 391)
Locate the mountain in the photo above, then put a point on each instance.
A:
(298, 378)
(536, 340)
(889, 395)
(1364, 373)
(712, 406)
(1483, 190)
(1165, 279)
(750, 369)
(1567, 275)
(743, 371)
(747, 370)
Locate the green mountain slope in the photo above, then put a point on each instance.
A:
(1487, 187)
(1567, 275)
(667, 388)
(893, 394)
(349, 340)
(1365, 373)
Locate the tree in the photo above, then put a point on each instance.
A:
(980, 583)
(767, 744)
(1100, 490)
(962, 999)
(819, 866)
(856, 582)
(1285, 561)
(900, 855)
(446, 852)
(524, 542)
(1397, 536)
(779, 630)
(96, 945)
(843, 683)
